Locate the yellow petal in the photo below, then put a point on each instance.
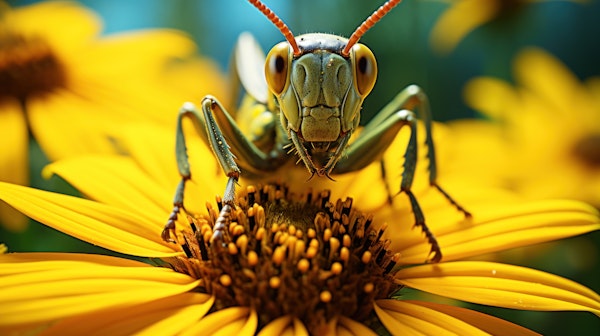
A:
(499, 228)
(41, 291)
(70, 25)
(405, 325)
(276, 327)
(227, 321)
(284, 325)
(67, 124)
(459, 20)
(490, 96)
(14, 161)
(153, 48)
(356, 328)
(100, 224)
(165, 316)
(500, 285)
(484, 322)
(546, 76)
(208, 178)
(118, 181)
(22, 262)
(430, 321)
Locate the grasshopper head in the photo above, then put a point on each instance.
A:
(320, 92)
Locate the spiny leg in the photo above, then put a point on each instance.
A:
(187, 110)
(212, 133)
(370, 146)
(380, 132)
(410, 164)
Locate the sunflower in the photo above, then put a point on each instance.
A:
(543, 131)
(464, 16)
(64, 84)
(293, 260)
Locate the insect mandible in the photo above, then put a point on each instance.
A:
(317, 84)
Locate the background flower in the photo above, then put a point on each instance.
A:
(65, 85)
(464, 16)
(545, 130)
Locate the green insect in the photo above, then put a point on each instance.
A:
(317, 84)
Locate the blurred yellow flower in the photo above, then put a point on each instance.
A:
(295, 261)
(64, 84)
(464, 16)
(542, 134)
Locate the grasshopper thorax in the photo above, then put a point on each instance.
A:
(320, 92)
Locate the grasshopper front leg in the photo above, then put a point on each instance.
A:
(379, 133)
(208, 128)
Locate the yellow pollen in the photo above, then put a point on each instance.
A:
(205, 228)
(207, 236)
(260, 234)
(237, 230)
(368, 287)
(366, 257)
(300, 247)
(334, 243)
(274, 282)
(344, 254)
(292, 230)
(252, 258)
(242, 243)
(225, 280)
(275, 228)
(303, 265)
(299, 234)
(327, 234)
(278, 255)
(325, 296)
(346, 241)
(336, 268)
(232, 249)
(311, 252)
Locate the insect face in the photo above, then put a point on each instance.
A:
(320, 92)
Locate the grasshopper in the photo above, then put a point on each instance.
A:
(314, 89)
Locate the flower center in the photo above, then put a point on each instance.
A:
(587, 150)
(288, 254)
(28, 67)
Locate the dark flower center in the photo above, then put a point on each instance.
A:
(28, 67)
(287, 254)
(587, 150)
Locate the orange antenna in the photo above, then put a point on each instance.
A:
(283, 28)
(368, 23)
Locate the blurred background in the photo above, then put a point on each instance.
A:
(401, 42)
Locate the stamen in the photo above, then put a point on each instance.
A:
(274, 282)
(283, 256)
(325, 296)
(303, 265)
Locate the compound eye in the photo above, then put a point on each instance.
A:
(365, 69)
(277, 67)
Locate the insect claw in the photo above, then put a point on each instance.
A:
(170, 225)
(437, 254)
